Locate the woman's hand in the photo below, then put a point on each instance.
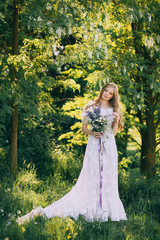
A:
(116, 116)
(97, 134)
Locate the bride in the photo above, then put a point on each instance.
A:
(95, 195)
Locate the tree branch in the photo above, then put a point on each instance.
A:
(135, 141)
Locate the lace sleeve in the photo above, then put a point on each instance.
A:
(84, 115)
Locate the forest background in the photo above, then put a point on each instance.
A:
(55, 57)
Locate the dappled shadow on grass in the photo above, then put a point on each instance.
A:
(61, 229)
(141, 226)
(100, 230)
(141, 199)
(137, 227)
(141, 195)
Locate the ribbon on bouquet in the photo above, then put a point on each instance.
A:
(100, 153)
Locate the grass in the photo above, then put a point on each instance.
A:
(139, 195)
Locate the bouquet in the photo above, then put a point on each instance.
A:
(97, 121)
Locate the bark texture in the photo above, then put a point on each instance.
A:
(147, 129)
(14, 120)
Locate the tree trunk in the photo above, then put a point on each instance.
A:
(14, 131)
(148, 132)
(148, 150)
(14, 121)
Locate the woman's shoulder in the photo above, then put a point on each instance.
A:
(90, 105)
(85, 111)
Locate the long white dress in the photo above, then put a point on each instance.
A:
(95, 195)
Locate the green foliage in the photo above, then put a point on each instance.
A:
(139, 195)
(67, 51)
(124, 163)
(27, 192)
(37, 141)
(66, 164)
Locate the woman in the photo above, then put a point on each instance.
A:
(95, 195)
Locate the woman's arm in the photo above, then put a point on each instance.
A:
(115, 127)
(115, 123)
(87, 131)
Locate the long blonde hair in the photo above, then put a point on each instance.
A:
(114, 102)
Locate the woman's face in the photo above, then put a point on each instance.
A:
(108, 93)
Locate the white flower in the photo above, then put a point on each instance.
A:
(151, 85)
(49, 22)
(99, 45)
(8, 223)
(85, 37)
(48, 6)
(54, 47)
(70, 31)
(18, 212)
(83, 26)
(96, 37)
(56, 53)
(39, 19)
(150, 42)
(149, 17)
(141, 68)
(58, 31)
(91, 27)
(51, 30)
(106, 50)
(90, 54)
(158, 38)
(140, 13)
(131, 16)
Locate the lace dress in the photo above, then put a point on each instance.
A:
(95, 195)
